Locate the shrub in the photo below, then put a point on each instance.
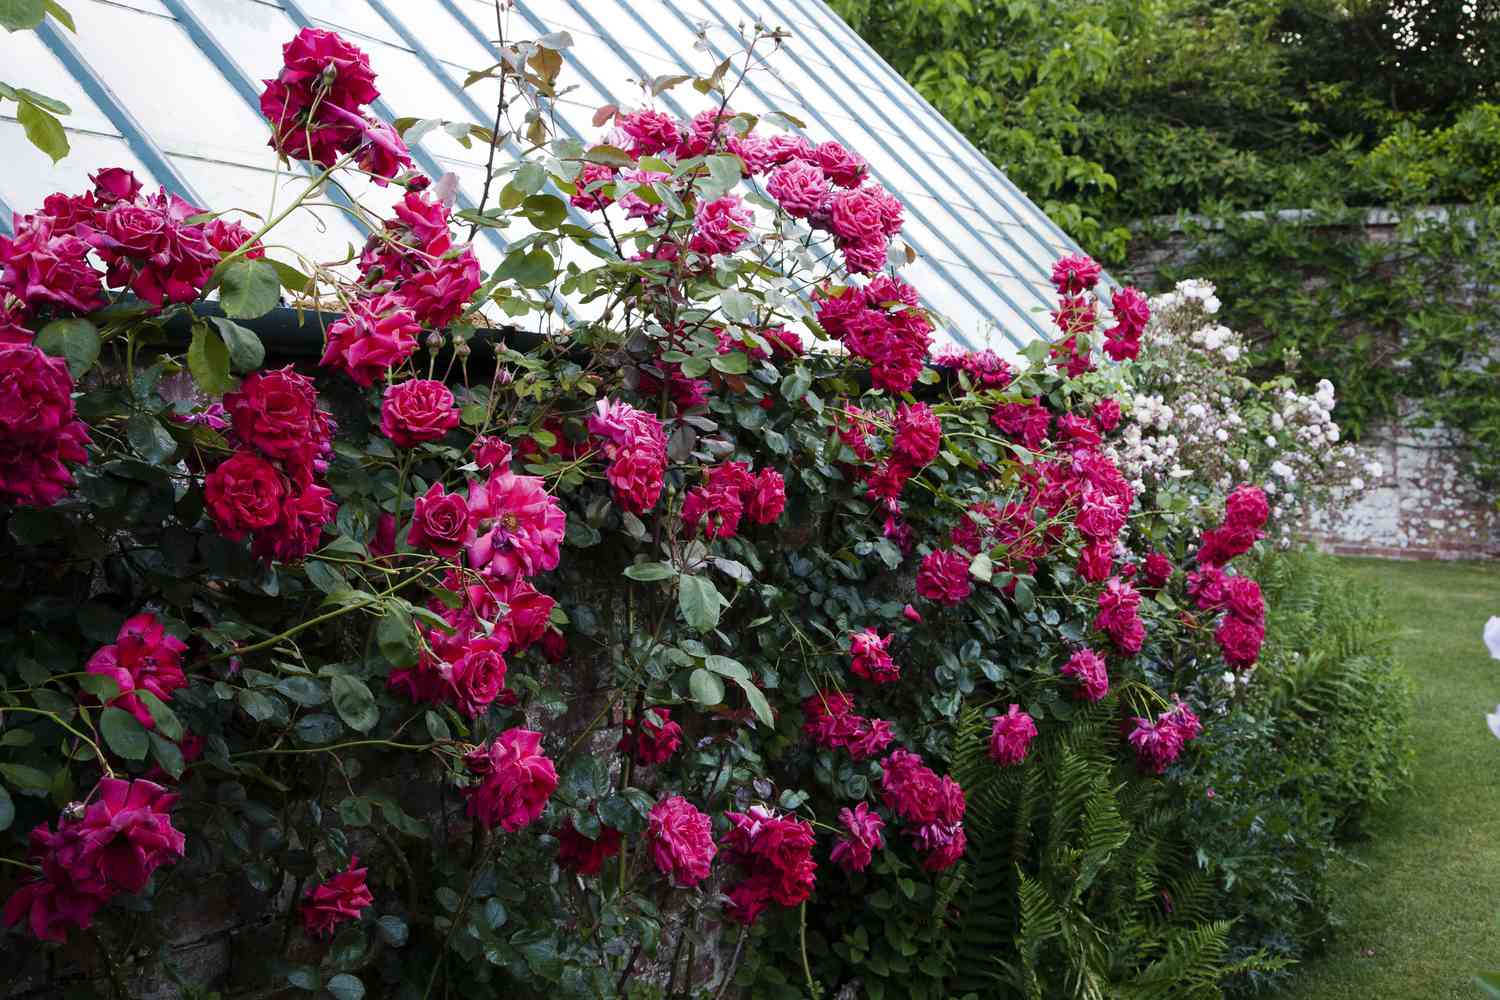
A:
(1281, 783)
(553, 656)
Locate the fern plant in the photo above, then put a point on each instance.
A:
(1077, 883)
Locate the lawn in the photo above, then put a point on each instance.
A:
(1425, 915)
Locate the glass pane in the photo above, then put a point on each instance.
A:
(27, 175)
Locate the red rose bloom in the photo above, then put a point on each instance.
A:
(276, 413)
(244, 494)
(342, 898)
(944, 577)
(477, 677)
(418, 410)
(374, 336)
(857, 847)
(652, 738)
(1087, 667)
(440, 522)
(1010, 735)
(586, 855)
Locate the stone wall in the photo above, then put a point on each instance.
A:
(1425, 506)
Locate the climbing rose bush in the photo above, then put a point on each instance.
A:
(555, 611)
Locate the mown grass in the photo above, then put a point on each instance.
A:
(1424, 915)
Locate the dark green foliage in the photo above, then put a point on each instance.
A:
(1295, 766)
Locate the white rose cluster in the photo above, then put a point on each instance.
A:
(1197, 413)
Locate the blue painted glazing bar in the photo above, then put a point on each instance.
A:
(963, 141)
(243, 83)
(932, 260)
(920, 174)
(437, 70)
(140, 143)
(5, 216)
(581, 9)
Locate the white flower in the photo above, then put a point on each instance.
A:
(1221, 435)
(1270, 441)
(1374, 470)
(1231, 352)
(1357, 484)
(1492, 636)
(1494, 720)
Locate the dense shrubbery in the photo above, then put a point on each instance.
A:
(553, 657)
(1282, 781)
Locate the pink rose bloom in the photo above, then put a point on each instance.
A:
(680, 839)
(842, 167)
(440, 522)
(871, 661)
(383, 542)
(647, 132)
(1107, 414)
(636, 447)
(918, 434)
(112, 184)
(857, 848)
(768, 499)
(1087, 667)
(1225, 542)
(276, 413)
(785, 147)
(1240, 641)
(910, 789)
(530, 616)
(39, 431)
(144, 657)
(1157, 570)
(1131, 314)
(776, 853)
(40, 267)
(944, 843)
(598, 177)
(858, 217)
(1097, 560)
(1075, 273)
(417, 410)
(1010, 736)
(515, 780)
(1243, 597)
(1156, 744)
(720, 226)
(437, 293)
(800, 188)
(1208, 587)
(869, 737)
(944, 577)
(111, 846)
(227, 236)
(1029, 422)
(150, 248)
(374, 336)
(911, 614)
(1246, 507)
(340, 899)
(651, 738)
(518, 526)
(477, 677)
(636, 206)
(491, 453)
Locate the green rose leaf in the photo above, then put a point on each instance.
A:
(149, 439)
(124, 735)
(354, 703)
(648, 572)
(706, 687)
(700, 602)
(43, 129)
(248, 288)
(76, 341)
(21, 15)
(208, 360)
(246, 352)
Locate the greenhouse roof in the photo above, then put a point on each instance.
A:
(170, 89)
